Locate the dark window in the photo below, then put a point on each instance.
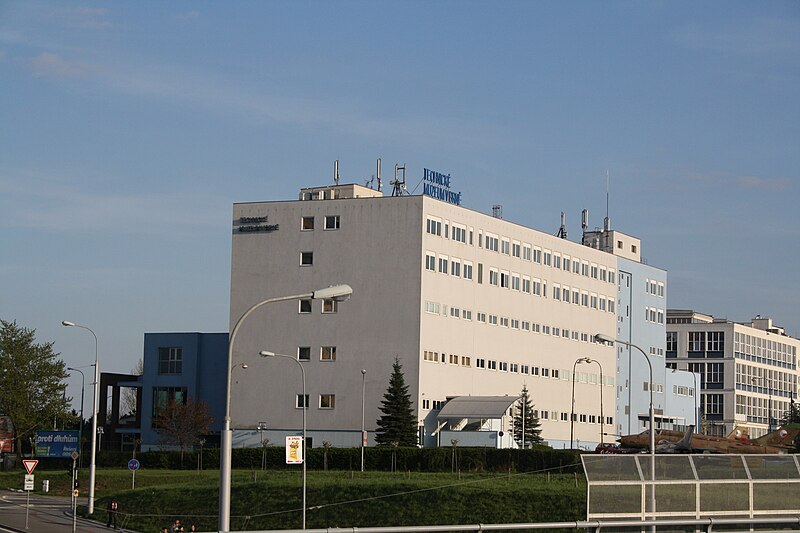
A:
(305, 306)
(170, 360)
(163, 395)
(304, 353)
(306, 258)
(307, 224)
(332, 222)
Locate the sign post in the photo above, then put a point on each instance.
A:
(29, 464)
(74, 494)
(133, 465)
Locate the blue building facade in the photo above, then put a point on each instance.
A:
(181, 366)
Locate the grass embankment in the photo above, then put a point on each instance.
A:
(335, 499)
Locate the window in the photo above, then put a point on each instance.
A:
(455, 268)
(526, 252)
(480, 363)
(594, 271)
(434, 227)
(716, 341)
(697, 341)
(330, 305)
(301, 401)
(443, 265)
(493, 277)
(492, 365)
(537, 287)
(514, 323)
(481, 317)
(505, 246)
(567, 264)
(306, 258)
(332, 222)
(467, 314)
(514, 282)
(493, 320)
(548, 257)
(713, 404)
(556, 292)
(430, 262)
(327, 401)
(305, 306)
(557, 261)
(328, 353)
(163, 395)
(170, 360)
(504, 321)
(465, 360)
(504, 280)
(492, 243)
(304, 353)
(503, 366)
(516, 249)
(584, 268)
(306, 223)
(455, 312)
(467, 270)
(714, 373)
(459, 234)
(526, 285)
(432, 307)
(537, 255)
(672, 341)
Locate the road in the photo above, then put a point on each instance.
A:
(47, 514)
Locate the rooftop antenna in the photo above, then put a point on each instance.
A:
(497, 211)
(562, 231)
(607, 220)
(398, 187)
(584, 219)
(336, 172)
(372, 178)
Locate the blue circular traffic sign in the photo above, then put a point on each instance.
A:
(133, 464)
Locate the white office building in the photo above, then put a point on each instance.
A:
(747, 371)
(470, 304)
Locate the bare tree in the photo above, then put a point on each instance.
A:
(182, 424)
(128, 405)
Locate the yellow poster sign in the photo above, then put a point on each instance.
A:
(294, 450)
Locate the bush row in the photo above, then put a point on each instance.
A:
(375, 458)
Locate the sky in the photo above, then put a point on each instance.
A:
(128, 130)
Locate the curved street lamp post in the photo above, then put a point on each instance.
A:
(338, 293)
(265, 353)
(605, 339)
(95, 399)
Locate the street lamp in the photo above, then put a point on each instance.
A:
(265, 353)
(572, 412)
(695, 375)
(602, 416)
(363, 433)
(80, 427)
(95, 400)
(605, 339)
(336, 292)
(261, 427)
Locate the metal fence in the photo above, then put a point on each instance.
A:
(692, 486)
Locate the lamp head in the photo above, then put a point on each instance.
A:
(265, 353)
(67, 323)
(605, 339)
(363, 372)
(339, 293)
(245, 365)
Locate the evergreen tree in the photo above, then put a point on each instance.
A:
(31, 382)
(397, 425)
(531, 422)
(792, 416)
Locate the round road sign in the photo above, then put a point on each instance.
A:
(133, 464)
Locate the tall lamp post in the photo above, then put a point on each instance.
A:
(572, 411)
(95, 399)
(695, 375)
(265, 353)
(602, 415)
(605, 339)
(80, 427)
(363, 433)
(337, 292)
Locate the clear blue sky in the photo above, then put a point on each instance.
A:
(129, 129)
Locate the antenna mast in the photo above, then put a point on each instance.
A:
(607, 220)
(399, 187)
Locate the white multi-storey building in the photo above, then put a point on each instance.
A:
(471, 305)
(748, 371)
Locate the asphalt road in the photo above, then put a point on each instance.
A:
(47, 514)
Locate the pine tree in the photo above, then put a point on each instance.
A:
(792, 416)
(532, 431)
(397, 425)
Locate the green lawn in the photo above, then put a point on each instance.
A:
(272, 499)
